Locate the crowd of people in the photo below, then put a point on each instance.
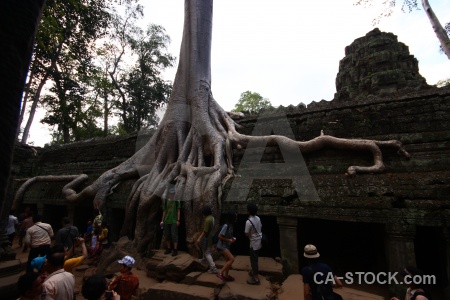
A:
(49, 268)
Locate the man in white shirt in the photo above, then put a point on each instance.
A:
(253, 232)
(59, 284)
(38, 238)
(11, 228)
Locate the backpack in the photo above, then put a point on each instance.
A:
(325, 291)
(215, 238)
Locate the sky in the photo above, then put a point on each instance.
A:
(289, 50)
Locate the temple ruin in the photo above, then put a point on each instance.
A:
(368, 222)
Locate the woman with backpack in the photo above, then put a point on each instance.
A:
(225, 240)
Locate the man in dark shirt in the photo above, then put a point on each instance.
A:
(318, 278)
(66, 235)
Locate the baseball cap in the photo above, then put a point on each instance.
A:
(38, 262)
(127, 261)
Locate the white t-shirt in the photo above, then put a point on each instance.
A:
(11, 223)
(255, 230)
(94, 241)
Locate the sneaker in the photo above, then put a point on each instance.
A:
(174, 252)
(228, 278)
(220, 276)
(253, 281)
(212, 270)
(167, 251)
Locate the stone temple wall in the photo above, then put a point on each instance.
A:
(414, 190)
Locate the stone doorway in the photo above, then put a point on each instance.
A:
(345, 246)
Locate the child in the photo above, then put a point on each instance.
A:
(94, 242)
(126, 283)
(225, 240)
(205, 239)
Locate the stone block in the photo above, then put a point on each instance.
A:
(292, 288)
(175, 291)
(268, 267)
(191, 277)
(239, 289)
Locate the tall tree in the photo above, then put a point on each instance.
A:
(192, 147)
(68, 30)
(133, 60)
(251, 102)
(145, 88)
(443, 34)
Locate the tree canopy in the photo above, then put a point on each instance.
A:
(96, 63)
(252, 102)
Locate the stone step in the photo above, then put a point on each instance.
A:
(268, 267)
(8, 286)
(241, 290)
(10, 267)
(292, 288)
(174, 291)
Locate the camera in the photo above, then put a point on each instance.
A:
(109, 295)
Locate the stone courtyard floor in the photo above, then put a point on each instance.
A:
(202, 285)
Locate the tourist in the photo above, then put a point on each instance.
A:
(225, 240)
(67, 234)
(205, 239)
(30, 286)
(171, 221)
(415, 291)
(253, 232)
(315, 277)
(88, 233)
(22, 216)
(101, 242)
(26, 223)
(59, 284)
(126, 283)
(98, 218)
(38, 238)
(11, 227)
(103, 238)
(94, 243)
(95, 288)
(71, 262)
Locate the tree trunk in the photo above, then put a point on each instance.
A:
(192, 146)
(18, 23)
(36, 98)
(24, 100)
(437, 28)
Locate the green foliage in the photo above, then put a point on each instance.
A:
(251, 102)
(443, 82)
(92, 81)
(145, 88)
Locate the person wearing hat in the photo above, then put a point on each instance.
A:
(414, 291)
(171, 221)
(318, 278)
(126, 283)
